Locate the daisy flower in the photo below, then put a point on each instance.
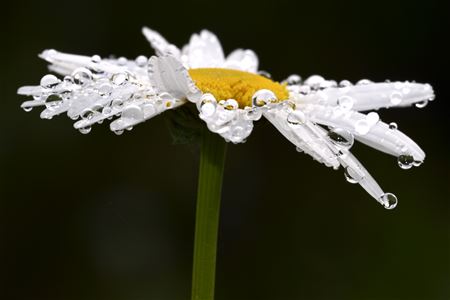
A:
(322, 118)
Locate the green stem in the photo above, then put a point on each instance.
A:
(212, 159)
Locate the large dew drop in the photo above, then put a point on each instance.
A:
(263, 97)
(405, 161)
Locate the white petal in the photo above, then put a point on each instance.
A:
(373, 95)
(302, 137)
(351, 165)
(204, 51)
(159, 43)
(167, 74)
(244, 60)
(377, 134)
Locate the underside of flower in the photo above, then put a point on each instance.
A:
(322, 118)
(235, 84)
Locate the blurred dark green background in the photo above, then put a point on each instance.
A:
(111, 217)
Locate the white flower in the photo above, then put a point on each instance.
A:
(320, 117)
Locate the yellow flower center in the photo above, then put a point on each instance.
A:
(227, 84)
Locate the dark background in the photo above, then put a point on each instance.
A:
(111, 217)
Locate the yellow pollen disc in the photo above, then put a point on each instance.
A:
(227, 84)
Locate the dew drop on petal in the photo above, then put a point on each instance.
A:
(314, 81)
(304, 90)
(82, 76)
(372, 118)
(118, 132)
(27, 108)
(265, 74)
(96, 58)
(396, 98)
(352, 176)
(341, 137)
(293, 79)
(389, 200)
(296, 117)
(122, 61)
(405, 161)
(141, 61)
(49, 81)
(87, 114)
(344, 83)
(263, 97)
(231, 104)
(120, 78)
(362, 127)
(393, 126)
(345, 102)
(363, 82)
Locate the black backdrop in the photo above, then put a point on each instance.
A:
(108, 217)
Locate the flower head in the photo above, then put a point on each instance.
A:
(320, 117)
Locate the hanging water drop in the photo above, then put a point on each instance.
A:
(85, 130)
(422, 104)
(27, 108)
(389, 200)
(341, 137)
(118, 132)
(405, 161)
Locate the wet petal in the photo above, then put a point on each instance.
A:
(204, 51)
(372, 96)
(168, 75)
(244, 60)
(159, 43)
(366, 128)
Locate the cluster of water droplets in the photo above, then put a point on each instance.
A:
(97, 89)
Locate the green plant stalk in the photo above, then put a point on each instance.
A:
(212, 160)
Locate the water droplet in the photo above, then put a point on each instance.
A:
(27, 108)
(122, 61)
(106, 110)
(120, 78)
(117, 103)
(129, 128)
(304, 90)
(363, 82)
(105, 90)
(96, 58)
(49, 81)
(431, 98)
(362, 127)
(389, 200)
(405, 161)
(296, 117)
(314, 81)
(133, 113)
(148, 109)
(141, 61)
(417, 163)
(345, 102)
(265, 74)
(53, 101)
(293, 79)
(352, 175)
(372, 118)
(68, 79)
(82, 76)
(341, 137)
(85, 130)
(87, 114)
(344, 84)
(263, 97)
(396, 98)
(253, 114)
(231, 104)
(422, 104)
(118, 132)
(393, 126)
